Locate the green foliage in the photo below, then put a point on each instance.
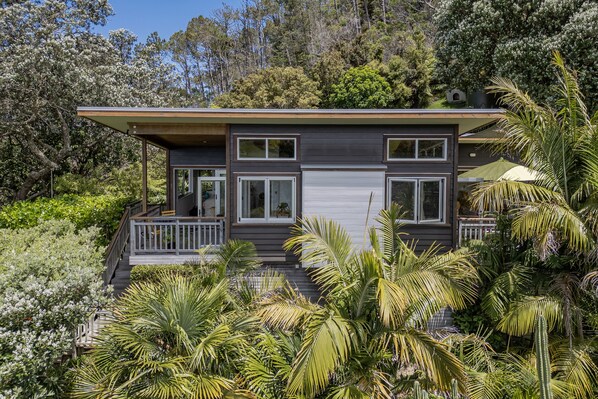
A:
(473, 320)
(373, 313)
(274, 87)
(156, 273)
(361, 87)
(102, 211)
(176, 336)
(478, 40)
(555, 219)
(49, 282)
(410, 74)
(322, 37)
(51, 62)
(125, 181)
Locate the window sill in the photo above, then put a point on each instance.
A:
(262, 224)
(431, 224)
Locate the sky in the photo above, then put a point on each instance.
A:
(143, 17)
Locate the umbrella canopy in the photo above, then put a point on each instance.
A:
(499, 170)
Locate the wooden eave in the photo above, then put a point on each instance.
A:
(122, 119)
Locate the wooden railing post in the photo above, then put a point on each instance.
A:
(132, 241)
(177, 237)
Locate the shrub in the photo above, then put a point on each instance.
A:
(49, 282)
(83, 211)
(155, 273)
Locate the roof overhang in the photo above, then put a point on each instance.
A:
(122, 118)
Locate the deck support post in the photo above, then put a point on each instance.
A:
(144, 175)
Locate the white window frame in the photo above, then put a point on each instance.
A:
(417, 158)
(189, 184)
(418, 204)
(266, 219)
(267, 158)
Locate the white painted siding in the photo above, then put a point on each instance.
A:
(344, 197)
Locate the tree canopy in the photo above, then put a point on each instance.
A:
(361, 87)
(50, 63)
(274, 87)
(478, 40)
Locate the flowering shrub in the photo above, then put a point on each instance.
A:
(49, 281)
(103, 211)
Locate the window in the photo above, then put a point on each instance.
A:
(266, 199)
(425, 149)
(266, 148)
(183, 182)
(422, 200)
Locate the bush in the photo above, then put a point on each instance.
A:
(155, 273)
(49, 282)
(83, 211)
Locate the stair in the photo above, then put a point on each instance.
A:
(300, 280)
(297, 276)
(122, 276)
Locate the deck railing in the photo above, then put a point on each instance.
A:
(474, 228)
(86, 334)
(174, 235)
(119, 241)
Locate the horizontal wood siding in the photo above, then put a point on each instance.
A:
(342, 145)
(268, 238)
(204, 156)
(423, 236)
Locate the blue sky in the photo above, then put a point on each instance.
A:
(143, 17)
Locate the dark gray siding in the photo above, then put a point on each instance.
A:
(349, 145)
(268, 238)
(202, 156)
(484, 154)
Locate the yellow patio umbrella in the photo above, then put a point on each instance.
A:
(499, 170)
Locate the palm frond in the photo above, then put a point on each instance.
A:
(413, 346)
(324, 245)
(286, 310)
(504, 289)
(328, 343)
(521, 317)
(500, 195)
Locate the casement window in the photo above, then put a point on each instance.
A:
(422, 200)
(266, 199)
(270, 148)
(183, 182)
(428, 149)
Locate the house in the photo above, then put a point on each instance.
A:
(251, 174)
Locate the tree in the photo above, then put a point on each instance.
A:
(374, 311)
(181, 337)
(49, 283)
(170, 340)
(50, 63)
(558, 213)
(361, 87)
(514, 374)
(274, 87)
(478, 40)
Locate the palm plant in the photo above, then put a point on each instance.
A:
(175, 339)
(182, 337)
(557, 214)
(370, 328)
(494, 375)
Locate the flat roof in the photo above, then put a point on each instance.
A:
(119, 118)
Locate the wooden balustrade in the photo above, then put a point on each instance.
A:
(174, 235)
(86, 334)
(475, 228)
